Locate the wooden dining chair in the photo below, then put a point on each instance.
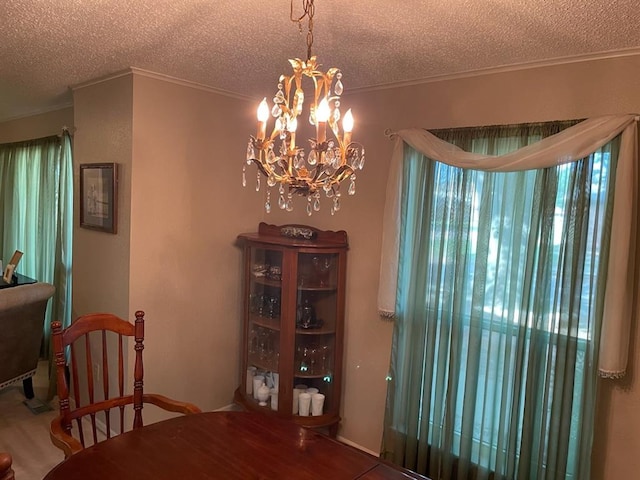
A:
(95, 390)
(6, 472)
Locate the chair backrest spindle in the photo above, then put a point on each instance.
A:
(138, 370)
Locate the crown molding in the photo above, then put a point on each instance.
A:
(38, 111)
(162, 77)
(590, 57)
(189, 84)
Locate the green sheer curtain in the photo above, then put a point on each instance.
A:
(36, 217)
(499, 306)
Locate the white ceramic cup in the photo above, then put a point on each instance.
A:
(317, 404)
(312, 390)
(305, 404)
(258, 381)
(296, 393)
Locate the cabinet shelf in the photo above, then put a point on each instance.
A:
(266, 281)
(314, 375)
(266, 364)
(315, 331)
(316, 288)
(265, 322)
(311, 292)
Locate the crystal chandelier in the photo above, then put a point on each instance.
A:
(331, 158)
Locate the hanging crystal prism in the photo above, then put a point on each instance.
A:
(244, 175)
(251, 153)
(271, 180)
(338, 88)
(281, 126)
(258, 182)
(336, 114)
(282, 204)
(289, 204)
(329, 156)
(267, 204)
(361, 163)
(312, 159)
(352, 185)
(271, 157)
(316, 203)
(336, 203)
(309, 206)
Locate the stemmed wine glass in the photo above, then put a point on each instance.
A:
(322, 265)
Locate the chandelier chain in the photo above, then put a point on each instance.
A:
(308, 10)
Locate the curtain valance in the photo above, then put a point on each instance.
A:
(570, 145)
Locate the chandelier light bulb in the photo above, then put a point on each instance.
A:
(263, 116)
(347, 126)
(347, 122)
(263, 110)
(323, 112)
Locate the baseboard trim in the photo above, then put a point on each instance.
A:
(358, 446)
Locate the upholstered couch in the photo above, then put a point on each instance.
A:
(22, 310)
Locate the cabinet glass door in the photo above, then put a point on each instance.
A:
(265, 297)
(315, 333)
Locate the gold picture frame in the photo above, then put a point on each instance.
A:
(99, 196)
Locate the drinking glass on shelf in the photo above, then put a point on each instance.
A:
(304, 400)
(326, 358)
(322, 266)
(304, 360)
(263, 344)
(313, 358)
(317, 404)
(253, 340)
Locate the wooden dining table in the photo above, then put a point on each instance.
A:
(225, 445)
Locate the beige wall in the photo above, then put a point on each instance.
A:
(175, 257)
(103, 129)
(187, 208)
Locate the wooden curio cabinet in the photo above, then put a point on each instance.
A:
(294, 295)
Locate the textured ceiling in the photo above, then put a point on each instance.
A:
(242, 46)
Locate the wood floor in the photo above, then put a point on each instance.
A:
(24, 434)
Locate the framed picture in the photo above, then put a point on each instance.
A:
(99, 196)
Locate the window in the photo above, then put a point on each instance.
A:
(499, 296)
